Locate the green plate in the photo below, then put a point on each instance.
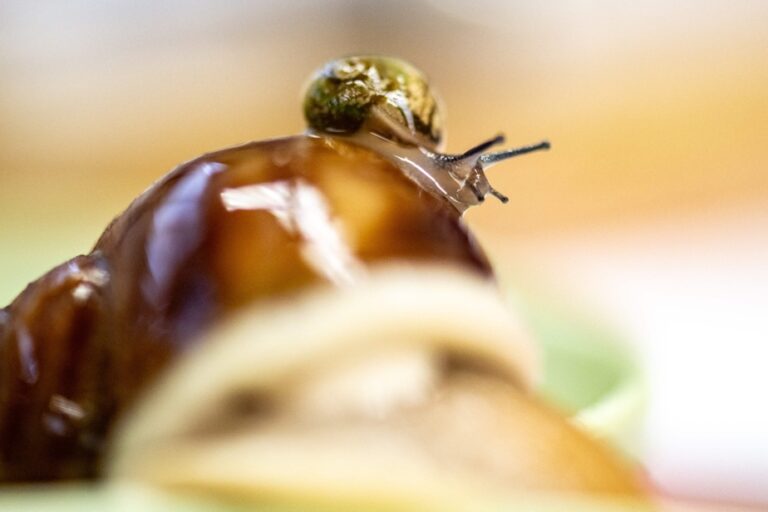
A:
(588, 369)
(74, 498)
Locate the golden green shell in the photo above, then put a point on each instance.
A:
(344, 93)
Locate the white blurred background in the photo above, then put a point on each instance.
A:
(652, 207)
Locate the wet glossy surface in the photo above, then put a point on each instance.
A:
(255, 222)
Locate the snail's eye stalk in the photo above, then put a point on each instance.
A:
(498, 195)
(487, 160)
(480, 148)
(492, 158)
(472, 152)
(471, 165)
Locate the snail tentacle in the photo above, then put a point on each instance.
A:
(469, 167)
(474, 151)
(493, 158)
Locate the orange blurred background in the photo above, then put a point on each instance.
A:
(658, 115)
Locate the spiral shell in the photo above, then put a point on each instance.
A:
(347, 93)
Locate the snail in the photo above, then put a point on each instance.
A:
(383, 101)
(118, 349)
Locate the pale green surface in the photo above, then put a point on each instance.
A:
(132, 498)
(588, 369)
(29, 250)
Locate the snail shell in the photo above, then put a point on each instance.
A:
(251, 223)
(382, 94)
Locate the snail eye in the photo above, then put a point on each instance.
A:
(384, 95)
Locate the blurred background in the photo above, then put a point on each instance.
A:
(651, 211)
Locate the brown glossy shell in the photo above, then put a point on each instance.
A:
(250, 223)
